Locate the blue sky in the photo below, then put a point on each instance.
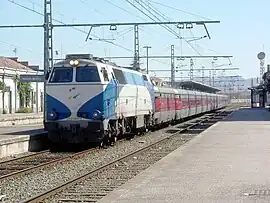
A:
(243, 31)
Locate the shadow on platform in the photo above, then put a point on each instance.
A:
(249, 114)
(26, 132)
(24, 140)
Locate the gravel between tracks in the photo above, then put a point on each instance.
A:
(20, 188)
(6, 158)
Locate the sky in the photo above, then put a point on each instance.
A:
(243, 32)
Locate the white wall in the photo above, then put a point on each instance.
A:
(15, 101)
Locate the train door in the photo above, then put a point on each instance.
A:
(173, 105)
(177, 103)
(208, 102)
(216, 106)
(196, 103)
(110, 93)
(116, 90)
(158, 105)
(188, 103)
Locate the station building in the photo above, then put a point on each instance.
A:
(12, 96)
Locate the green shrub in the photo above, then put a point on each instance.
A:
(25, 110)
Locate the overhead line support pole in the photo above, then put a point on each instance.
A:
(136, 63)
(147, 54)
(172, 67)
(48, 47)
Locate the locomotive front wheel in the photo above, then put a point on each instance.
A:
(104, 141)
(101, 144)
(113, 139)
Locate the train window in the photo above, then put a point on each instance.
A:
(105, 74)
(119, 76)
(87, 74)
(61, 75)
(129, 78)
(138, 79)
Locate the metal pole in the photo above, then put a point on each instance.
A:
(37, 103)
(48, 50)
(136, 63)
(147, 61)
(147, 48)
(191, 70)
(172, 67)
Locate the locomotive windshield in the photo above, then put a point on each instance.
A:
(61, 75)
(87, 74)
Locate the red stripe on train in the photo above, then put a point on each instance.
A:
(166, 104)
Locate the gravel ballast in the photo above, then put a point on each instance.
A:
(21, 188)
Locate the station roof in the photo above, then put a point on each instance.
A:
(192, 85)
(257, 87)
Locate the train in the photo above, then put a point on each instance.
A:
(92, 100)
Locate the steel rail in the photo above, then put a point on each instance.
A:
(49, 193)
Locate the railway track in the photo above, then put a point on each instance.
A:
(29, 163)
(95, 184)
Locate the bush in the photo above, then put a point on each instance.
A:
(25, 110)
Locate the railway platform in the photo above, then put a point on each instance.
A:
(228, 162)
(21, 138)
(20, 119)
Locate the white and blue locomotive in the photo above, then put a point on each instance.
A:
(90, 100)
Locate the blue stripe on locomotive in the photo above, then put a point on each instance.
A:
(55, 106)
(104, 102)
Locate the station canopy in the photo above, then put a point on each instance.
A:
(192, 85)
(258, 88)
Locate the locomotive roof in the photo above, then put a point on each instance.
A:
(88, 59)
(192, 85)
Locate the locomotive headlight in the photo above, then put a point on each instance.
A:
(74, 62)
(96, 114)
(52, 115)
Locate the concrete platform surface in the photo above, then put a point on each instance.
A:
(20, 119)
(229, 162)
(21, 138)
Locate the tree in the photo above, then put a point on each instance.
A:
(1, 85)
(24, 90)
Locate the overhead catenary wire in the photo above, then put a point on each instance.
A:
(180, 10)
(164, 26)
(80, 30)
